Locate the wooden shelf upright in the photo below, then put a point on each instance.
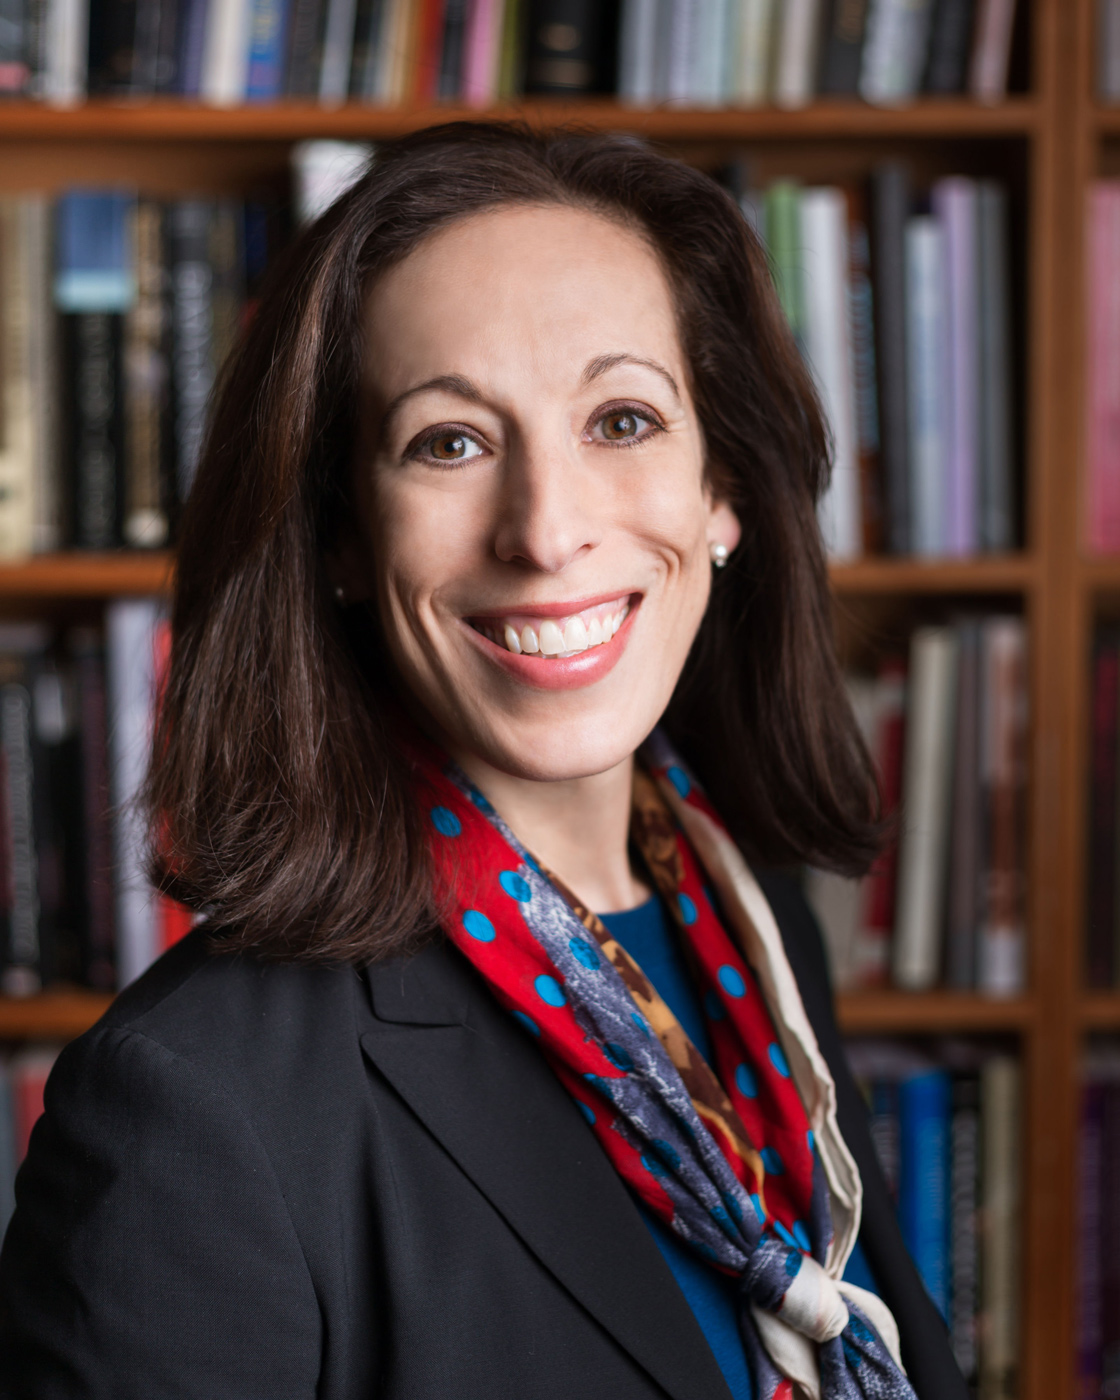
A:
(1048, 143)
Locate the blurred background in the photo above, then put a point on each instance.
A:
(936, 183)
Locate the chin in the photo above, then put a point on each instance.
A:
(559, 753)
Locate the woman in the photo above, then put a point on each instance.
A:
(405, 1118)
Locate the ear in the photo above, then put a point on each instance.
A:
(723, 525)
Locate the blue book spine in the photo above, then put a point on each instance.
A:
(192, 44)
(267, 36)
(923, 1204)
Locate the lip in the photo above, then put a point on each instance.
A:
(558, 672)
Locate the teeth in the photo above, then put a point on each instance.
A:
(552, 639)
(529, 644)
(595, 636)
(575, 635)
(511, 640)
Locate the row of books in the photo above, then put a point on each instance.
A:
(1102, 902)
(901, 304)
(789, 51)
(1102, 351)
(944, 902)
(1108, 49)
(75, 724)
(1097, 1303)
(946, 1126)
(742, 52)
(23, 1077)
(115, 314)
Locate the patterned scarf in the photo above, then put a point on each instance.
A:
(728, 1155)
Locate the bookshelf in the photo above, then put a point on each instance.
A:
(1048, 143)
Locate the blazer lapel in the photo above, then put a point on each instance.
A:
(475, 1080)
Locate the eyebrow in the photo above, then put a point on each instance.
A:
(602, 363)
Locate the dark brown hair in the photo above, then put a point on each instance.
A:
(277, 792)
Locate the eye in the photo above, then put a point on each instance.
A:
(448, 445)
(625, 426)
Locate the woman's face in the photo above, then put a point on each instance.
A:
(531, 489)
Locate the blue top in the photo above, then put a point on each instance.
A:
(648, 937)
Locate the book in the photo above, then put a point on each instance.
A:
(827, 340)
(711, 80)
(192, 322)
(1108, 49)
(1102, 816)
(966, 852)
(165, 55)
(363, 50)
(931, 710)
(38, 271)
(950, 41)
(861, 302)
(925, 369)
(782, 211)
(19, 422)
(565, 40)
(8, 1160)
(894, 51)
(890, 210)
(923, 1202)
(964, 1223)
(21, 648)
(225, 59)
(991, 50)
(15, 71)
(147, 386)
(795, 61)
(1090, 1225)
(999, 1267)
(111, 59)
(1001, 951)
(512, 57)
(100, 935)
(264, 80)
(429, 43)
(749, 83)
(1102, 320)
(872, 955)
(997, 498)
(63, 57)
(954, 205)
(338, 40)
(450, 80)
(305, 48)
(842, 47)
(191, 47)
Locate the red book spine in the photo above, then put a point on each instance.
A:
(1102, 486)
(429, 51)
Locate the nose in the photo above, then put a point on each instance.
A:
(547, 513)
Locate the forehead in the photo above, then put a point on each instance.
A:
(541, 287)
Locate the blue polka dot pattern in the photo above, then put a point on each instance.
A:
(640, 1022)
(445, 821)
(619, 1056)
(801, 1235)
(679, 778)
(731, 980)
(653, 1165)
(478, 926)
(549, 990)
(713, 1006)
(585, 954)
(772, 1162)
(756, 1201)
(793, 1263)
(587, 1112)
(687, 908)
(481, 802)
(528, 1022)
(746, 1081)
(783, 1234)
(603, 1085)
(778, 1059)
(811, 1140)
(515, 886)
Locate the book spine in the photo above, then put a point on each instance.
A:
(22, 964)
(1001, 970)
(564, 39)
(100, 960)
(147, 385)
(1110, 1240)
(225, 60)
(964, 856)
(478, 54)
(429, 41)
(58, 833)
(8, 1158)
(796, 62)
(1101, 894)
(193, 333)
(46, 524)
(885, 1125)
(112, 45)
(1108, 48)
(783, 239)
(684, 18)
(267, 47)
(949, 40)
(922, 856)
(925, 364)
(146, 46)
(923, 1204)
(15, 70)
(997, 507)
(65, 51)
(38, 34)
(954, 205)
(999, 1259)
(894, 52)
(862, 340)
(991, 51)
(18, 415)
(451, 53)
(338, 41)
(166, 76)
(824, 236)
(1102, 286)
(873, 942)
(192, 47)
(964, 1235)
(843, 47)
(890, 210)
(93, 361)
(750, 82)
(1090, 1226)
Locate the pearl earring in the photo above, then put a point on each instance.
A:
(339, 593)
(719, 553)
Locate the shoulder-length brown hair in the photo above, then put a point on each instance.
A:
(279, 799)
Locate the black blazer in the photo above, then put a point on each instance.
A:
(261, 1182)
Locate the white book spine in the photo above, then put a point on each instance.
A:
(225, 59)
(130, 673)
(637, 47)
(824, 238)
(338, 43)
(750, 82)
(925, 332)
(795, 67)
(923, 849)
(894, 51)
(709, 84)
(66, 51)
(684, 44)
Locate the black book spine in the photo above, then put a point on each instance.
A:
(451, 55)
(92, 367)
(363, 54)
(112, 45)
(568, 47)
(56, 800)
(169, 37)
(890, 208)
(950, 43)
(305, 48)
(192, 366)
(964, 1235)
(22, 969)
(842, 49)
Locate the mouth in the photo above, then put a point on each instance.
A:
(555, 637)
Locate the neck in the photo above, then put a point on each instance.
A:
(579, 828)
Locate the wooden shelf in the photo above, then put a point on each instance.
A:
(167, 120)
(1100, 1011)
(924, 1013)
(86, 575)
(53, 1016)
(1005, 573)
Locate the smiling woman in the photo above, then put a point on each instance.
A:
(501, 1065)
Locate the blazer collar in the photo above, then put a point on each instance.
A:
(483, 1090)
